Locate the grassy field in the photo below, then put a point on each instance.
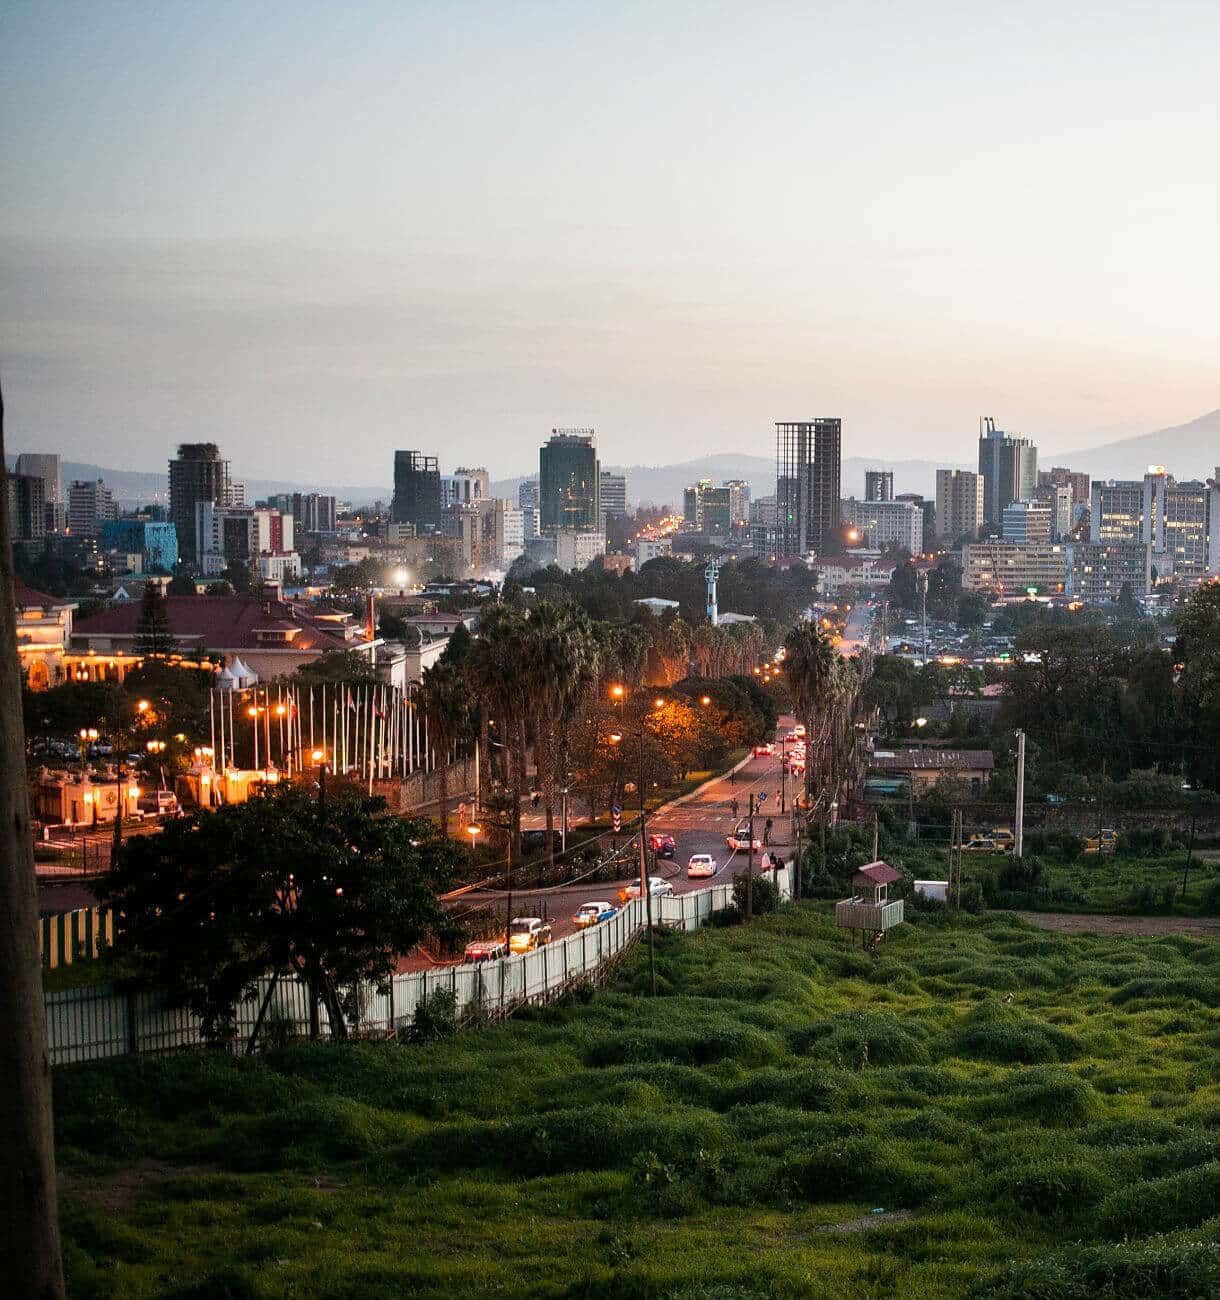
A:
(1037, 1115)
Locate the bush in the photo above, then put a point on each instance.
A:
(996, 1032)
(859, 1038)
(436, 1018)
(765, 896)
(1179, 1200)
(1057, 1185)
(864, 1167)
(1168, 1270)
(1046, 1093)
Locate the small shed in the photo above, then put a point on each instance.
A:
(870, 909)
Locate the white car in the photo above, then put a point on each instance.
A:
(739, 840)
(701, 864)
(591, 913)
(658, 887)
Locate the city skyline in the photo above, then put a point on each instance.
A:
(406, 228)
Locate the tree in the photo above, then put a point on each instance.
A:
(237, 574)
(809, 663)
(29, 1227)
(181, 584)
(444, 697)
(282, 883)
(153, 635)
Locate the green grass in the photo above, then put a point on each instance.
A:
(1046, 1108)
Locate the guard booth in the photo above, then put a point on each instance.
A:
(870, 909)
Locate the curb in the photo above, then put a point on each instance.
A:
(690, 794)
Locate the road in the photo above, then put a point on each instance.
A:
(700, 822)
(856, 632)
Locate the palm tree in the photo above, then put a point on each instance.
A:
(29, 1226)
(809, 666)
(444, 698)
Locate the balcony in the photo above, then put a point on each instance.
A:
(857, 914)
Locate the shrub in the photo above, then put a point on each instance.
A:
(435, 1018)
(765, 896)
(1047, 1093)
(1174, 988)
(1179, 1200)
(864, 1167)
(1056, 1185)
(858, 1038)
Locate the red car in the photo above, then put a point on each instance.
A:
(664, 846)
(762, 751)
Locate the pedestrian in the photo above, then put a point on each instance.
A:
(767, 831)
(732, 776)
(536, 800)
(733, 805)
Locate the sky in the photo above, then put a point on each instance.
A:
(316, 232)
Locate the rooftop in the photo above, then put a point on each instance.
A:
(933, 760)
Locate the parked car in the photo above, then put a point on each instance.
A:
(701, 864)
(593, 914)
(739, 840)
(1003, 836)
(525, 933)
(981, 844)
(762, 751)
(658, 887)
(664, 846)
(160, 803)
(486, 950)
(1105, 841)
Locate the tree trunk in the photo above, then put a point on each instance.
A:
(29, 1226)
(444, 794)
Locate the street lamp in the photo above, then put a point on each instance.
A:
(474, 830)
(142, 706)
(705, 700)
(319, 757)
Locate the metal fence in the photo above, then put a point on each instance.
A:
(91, 1024)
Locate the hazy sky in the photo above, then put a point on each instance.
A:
(315, 232)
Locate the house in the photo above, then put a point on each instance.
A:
(44, 631)
(272, 637)
(924, 767)
(852, 571)
(655, 605)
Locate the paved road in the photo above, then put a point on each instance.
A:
(699, 822)
(856, 633)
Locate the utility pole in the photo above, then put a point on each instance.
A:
(922, 581)
(750, 865)
(1018, 829)
(874, 835)
(644, 882)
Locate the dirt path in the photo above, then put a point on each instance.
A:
(1078, 923)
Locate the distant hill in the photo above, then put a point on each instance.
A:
(663, 484)
(144, 486)
(1188, 451)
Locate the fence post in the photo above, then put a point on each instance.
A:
(133, 1036)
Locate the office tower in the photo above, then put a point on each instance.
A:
(1058, 500)
(417, 491)
(90, 505)
(716, 509)
(27, 507)
(1180, 521)
(1027, 522)
(1014, 568)
(739, 502)
(613, 489)
(527, 493)
(879, 524)
(928, 509)
(197, 474)
(1098, 572)
(878, 485)
(807, 484)
(155, 543)
(1009, 468)
(46, 466)
(312, 512)
(692, 505)
(569, 484)
(959, 504)
(1074, 480)
(465, 486)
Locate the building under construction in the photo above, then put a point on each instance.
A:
(807, 484)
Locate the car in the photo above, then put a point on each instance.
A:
(701, 864)
(658, 887)
(534, 841)
(485, 950)
(593, 913)
(525, 933)
(1003, 836)
(158, 802)
(739, 839)
(763, 751)
(981, 844)
(664, 846)
(1105, 841)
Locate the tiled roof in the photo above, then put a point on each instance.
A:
(934, 760)
(25, 597)
(880, 873)
(221, 623)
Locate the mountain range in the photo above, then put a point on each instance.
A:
(1190, 450)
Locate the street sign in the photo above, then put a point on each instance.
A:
(618, 817)
(760, 800)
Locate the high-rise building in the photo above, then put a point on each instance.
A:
(1098, 572)
(807, 484)
(155, 543)
(613, 489)
(1013, 569)
(249, 534)
(1009, 469)
(1027, 521)
(716, 507)
(739, 502)
(927, 507)
(576, 549)
(197, 474)
(883, 523)
(1074, 480)
(465, 486)
(90, 505)
(527, 493)
(878, 485)
(417, 491)
(312, 512)
(569, 483)
(959, 504)
(1058, 500)
(692, 505)
(47, 466)
(1180, 521)
(27, 507)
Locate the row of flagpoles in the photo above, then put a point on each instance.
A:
(369, 731)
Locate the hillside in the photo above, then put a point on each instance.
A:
(980, 1109)
(1190, 450)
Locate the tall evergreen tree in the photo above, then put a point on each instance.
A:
(153, 635)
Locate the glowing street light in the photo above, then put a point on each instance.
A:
(142, 706)
(617, 691)
(705, 700)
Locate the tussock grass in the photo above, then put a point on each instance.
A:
(1013, 1088)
